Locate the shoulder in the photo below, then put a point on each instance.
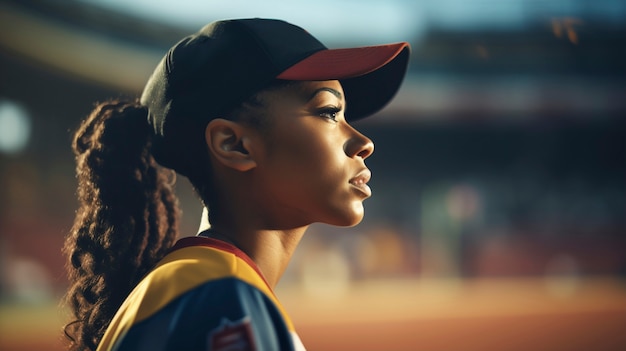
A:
(195, 262)
(216, 314)
(198, 292)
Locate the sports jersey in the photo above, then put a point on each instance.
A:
(204, 295)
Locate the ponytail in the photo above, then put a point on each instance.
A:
(126, 221)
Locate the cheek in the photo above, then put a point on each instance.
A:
(323, 160)
(305, 149)
(312, 168)
(309, 166)
(310, 177)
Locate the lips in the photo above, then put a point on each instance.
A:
(359, 182)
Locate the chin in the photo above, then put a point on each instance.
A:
(343, 223)
(354, 223)
(349, 219)
(343, 215)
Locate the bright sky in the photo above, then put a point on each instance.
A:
(359, 20)
(371, 21)
(362, 21)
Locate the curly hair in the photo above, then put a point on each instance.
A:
(126, 221)
(128, 215)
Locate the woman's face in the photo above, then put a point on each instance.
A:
(311, 166)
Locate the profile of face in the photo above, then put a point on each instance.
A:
(310, 162)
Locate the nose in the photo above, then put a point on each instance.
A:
(358, 145)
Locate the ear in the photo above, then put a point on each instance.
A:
(229, 142)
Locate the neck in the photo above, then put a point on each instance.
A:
(271, 250)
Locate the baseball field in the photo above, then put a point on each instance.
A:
(434, 315)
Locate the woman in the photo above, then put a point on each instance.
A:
(255, 113)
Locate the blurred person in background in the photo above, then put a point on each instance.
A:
(257, 114)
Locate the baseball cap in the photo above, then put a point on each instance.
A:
(207, 74)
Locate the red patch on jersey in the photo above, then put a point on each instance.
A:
(232, 336)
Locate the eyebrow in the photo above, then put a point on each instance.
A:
(330, 90)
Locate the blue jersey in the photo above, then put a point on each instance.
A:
(204, 295)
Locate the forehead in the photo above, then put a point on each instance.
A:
(303, 92)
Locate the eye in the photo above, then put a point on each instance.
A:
(330, 113)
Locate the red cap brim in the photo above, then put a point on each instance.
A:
(370, 75)
(343, 63)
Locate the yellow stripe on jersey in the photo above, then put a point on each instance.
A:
(179, 272)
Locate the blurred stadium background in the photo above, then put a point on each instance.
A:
(498, 220)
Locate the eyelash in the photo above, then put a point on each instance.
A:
(330, 113)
